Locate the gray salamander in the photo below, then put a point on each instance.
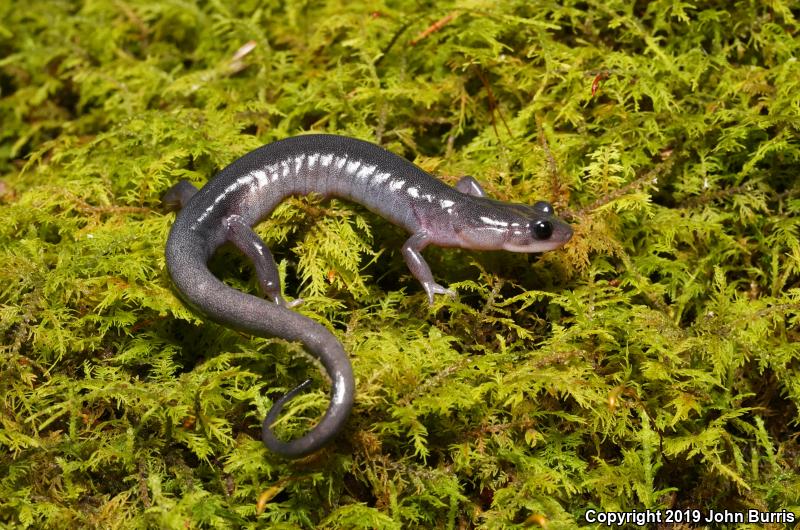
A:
(246, 191)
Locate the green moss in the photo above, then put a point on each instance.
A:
(653, 363)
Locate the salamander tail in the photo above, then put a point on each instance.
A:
(205, 293)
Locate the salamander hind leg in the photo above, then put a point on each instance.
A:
(245, 239)
(419, 267)
(178, 195)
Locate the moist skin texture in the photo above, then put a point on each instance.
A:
(245, 192)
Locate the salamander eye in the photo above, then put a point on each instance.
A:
(544, 207)
(542, 229)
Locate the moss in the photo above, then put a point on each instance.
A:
(653, 363)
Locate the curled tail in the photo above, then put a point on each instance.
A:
(186, 257)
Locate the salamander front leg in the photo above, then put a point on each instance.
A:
(245, 239)
(419, 268)
(470, 186)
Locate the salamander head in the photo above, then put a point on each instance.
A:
(514, 227)
(544, 231)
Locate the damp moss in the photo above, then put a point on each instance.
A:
(651, 364)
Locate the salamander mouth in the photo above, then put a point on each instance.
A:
(536, 246)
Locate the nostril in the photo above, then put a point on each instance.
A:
(542, 229)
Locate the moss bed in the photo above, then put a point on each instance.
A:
(651, 364)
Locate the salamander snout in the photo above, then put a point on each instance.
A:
(545, 226)
(544, 231)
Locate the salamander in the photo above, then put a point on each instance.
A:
(245, 192)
